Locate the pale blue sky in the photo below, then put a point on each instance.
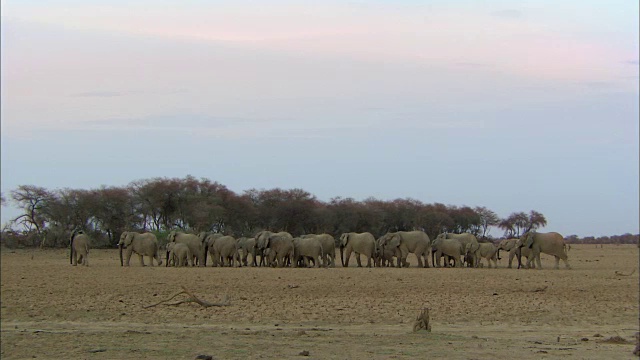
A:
(516, 106)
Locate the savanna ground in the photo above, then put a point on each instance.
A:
(55, 311)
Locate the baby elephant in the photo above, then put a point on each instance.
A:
(179, 254)
(79, 248)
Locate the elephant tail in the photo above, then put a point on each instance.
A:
(121, 261)
(71, 249)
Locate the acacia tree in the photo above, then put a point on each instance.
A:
(488, 218)
(519, 223)
(34, 200)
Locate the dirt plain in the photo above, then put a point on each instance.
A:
(53, 310)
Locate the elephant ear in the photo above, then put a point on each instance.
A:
(395, 241)
(344, 239)
(529, 239)
(128, 240)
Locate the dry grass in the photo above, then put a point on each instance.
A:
(54, 310)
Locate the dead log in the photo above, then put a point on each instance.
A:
(191, 299)
(422, 321)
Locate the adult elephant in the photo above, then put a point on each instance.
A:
(469, 241)
(195, 243)
(246, 247)
(223, 250)
(360, 243)
(307, 248)
(328, 247)
(550, 243)
(145, 244)
(405, 242)
(79, 244)
(450, 247)
(281, 249)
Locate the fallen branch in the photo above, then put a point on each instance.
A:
(540, 289)
(191, 299)
(622, 274)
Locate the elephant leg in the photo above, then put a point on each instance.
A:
(458, 261)
(74, 256)
(537, 261)
(141, 258)
(127, 257)
(358, 259)
(368, 261)
(566, 262)
(347, 256)
(437, 259)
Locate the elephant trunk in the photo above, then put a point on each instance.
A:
(342, 255)
(206, 250)
(121, 261)
(498, 254)
(519, 255)
(166, 262)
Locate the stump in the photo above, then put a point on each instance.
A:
(422, 321)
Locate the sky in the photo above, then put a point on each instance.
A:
(511, 105)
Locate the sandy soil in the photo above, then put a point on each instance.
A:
(53, 310)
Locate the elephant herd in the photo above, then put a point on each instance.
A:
(280, 249)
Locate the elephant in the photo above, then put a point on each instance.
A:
(328, 247)
(195, 243)
(360, 243)
(383, 256)
(488, 251)
(145, 244)
(550, 243)
(469, 241)
(510, 246)
(281, 245)
(308, 248)
(79, 244)
(450, 247)
(247, 246)
(179, 254)
(406, 242)
(223, 250)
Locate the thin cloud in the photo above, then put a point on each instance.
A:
(508, 13)
(633, 62)
(98, 94)
(473, 64)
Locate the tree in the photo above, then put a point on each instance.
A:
(488, 218)
(113, 210)
(536, 220)
(34, 200)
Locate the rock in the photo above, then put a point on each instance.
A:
(97, 350)
(304, 353)
(204, 357)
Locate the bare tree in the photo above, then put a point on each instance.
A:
(34, 200)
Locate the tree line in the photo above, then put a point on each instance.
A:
(193, 205)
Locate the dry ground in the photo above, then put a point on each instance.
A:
(55, 311)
